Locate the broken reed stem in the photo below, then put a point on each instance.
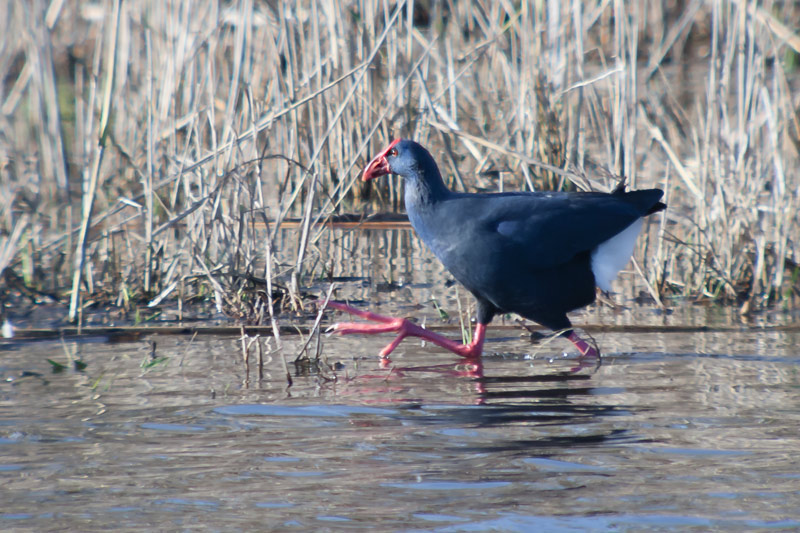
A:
(246, 342)
(245, 355)
(260, 361)
(276, 333)
(315, 329)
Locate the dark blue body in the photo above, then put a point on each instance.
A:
(524, 252)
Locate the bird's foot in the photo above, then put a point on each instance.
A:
(404, 328)
(590, 355)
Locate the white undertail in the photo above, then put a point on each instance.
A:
(610, 256)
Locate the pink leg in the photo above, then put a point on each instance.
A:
(589, 354)
(405, 328)
(583, 346)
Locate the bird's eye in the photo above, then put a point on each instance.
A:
(393, 153)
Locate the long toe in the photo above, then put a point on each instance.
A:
(366, 315)
(349, 328)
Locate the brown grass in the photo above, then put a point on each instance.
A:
(146, 146)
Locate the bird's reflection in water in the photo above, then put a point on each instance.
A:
(492, 389)
(552, 405)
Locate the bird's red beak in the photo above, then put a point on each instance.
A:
(379, 166)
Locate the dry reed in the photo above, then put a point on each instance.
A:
(143, 144)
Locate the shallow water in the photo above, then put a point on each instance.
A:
(694, 431)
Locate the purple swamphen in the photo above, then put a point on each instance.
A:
(537, 254)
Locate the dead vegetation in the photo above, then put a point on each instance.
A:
(149, 151)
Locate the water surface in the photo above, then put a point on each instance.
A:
(691, 431)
